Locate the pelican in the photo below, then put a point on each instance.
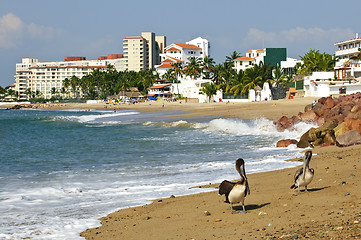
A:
(236, 191)
(304, 176)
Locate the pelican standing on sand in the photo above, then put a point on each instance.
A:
(304, 176)
(236, 191)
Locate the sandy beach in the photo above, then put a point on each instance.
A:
(329, 210)
(272, 110)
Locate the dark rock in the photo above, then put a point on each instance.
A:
(329, 103)
(286, 142)
(309, 116)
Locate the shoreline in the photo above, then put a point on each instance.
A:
(271, 110)
(330, 209)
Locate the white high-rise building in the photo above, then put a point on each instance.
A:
(142, 52)
(42, 77)
(347, 68)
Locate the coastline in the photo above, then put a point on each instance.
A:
(330, 209)
(271, 110)
(274, 210)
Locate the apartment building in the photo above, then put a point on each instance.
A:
(142, 52)
(180, 53)
(42, 77)
(269, 56)
(347, 68)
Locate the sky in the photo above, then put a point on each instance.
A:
(51, 30)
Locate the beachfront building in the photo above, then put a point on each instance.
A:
(348, 67)
(161, 89)
(191, 90)
(269, 56)
(143, 52)
(290, 64)
(186, 87)
(198, 48)
(42, 78)
(346, 77)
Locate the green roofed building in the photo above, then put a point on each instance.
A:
(269, 56)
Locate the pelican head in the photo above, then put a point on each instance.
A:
(240, 168)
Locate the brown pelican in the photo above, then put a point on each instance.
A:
(304, 176)
(236, 191)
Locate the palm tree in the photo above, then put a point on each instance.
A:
(74, 83)
(209, 89)
(314, 61)
(256, 76)
(232, 56)
(207, 65)
(193, 67)
(28, 92)
(11, 92)
(278, 75)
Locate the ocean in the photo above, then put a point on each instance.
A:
(62, 170)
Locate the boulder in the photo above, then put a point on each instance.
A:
(352, 124)
(329, 103)
(286, 142)
(308, 107)
(307, 138)
(286, 123)
(351, 137)
(339, 129)
(329, 124)
(355, 108)
(309, 116)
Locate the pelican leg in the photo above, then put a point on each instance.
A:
(244, 209)
(232, 208)
(305, 188)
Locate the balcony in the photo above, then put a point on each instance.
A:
(349, 51)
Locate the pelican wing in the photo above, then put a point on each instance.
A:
(225, 188)
(298, 174)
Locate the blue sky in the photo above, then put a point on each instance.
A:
(50, 30)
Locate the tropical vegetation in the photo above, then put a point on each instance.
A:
(101, 84)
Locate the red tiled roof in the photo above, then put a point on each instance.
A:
(244, 58)
(160, 86)
(165, 65)
(173, 49)
(171, 60)
(190, 46)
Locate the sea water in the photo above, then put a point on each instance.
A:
(63, 170)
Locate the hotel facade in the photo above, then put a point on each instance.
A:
(139, 53)
(42, 77)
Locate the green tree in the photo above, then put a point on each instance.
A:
(314, 61)
(207, 66)
(193, 67)
(209, 89)
(232, 56)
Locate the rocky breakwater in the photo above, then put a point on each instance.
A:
(338, 120)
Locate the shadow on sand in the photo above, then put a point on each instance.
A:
(250, 207)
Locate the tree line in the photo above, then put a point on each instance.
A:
(101, 84)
